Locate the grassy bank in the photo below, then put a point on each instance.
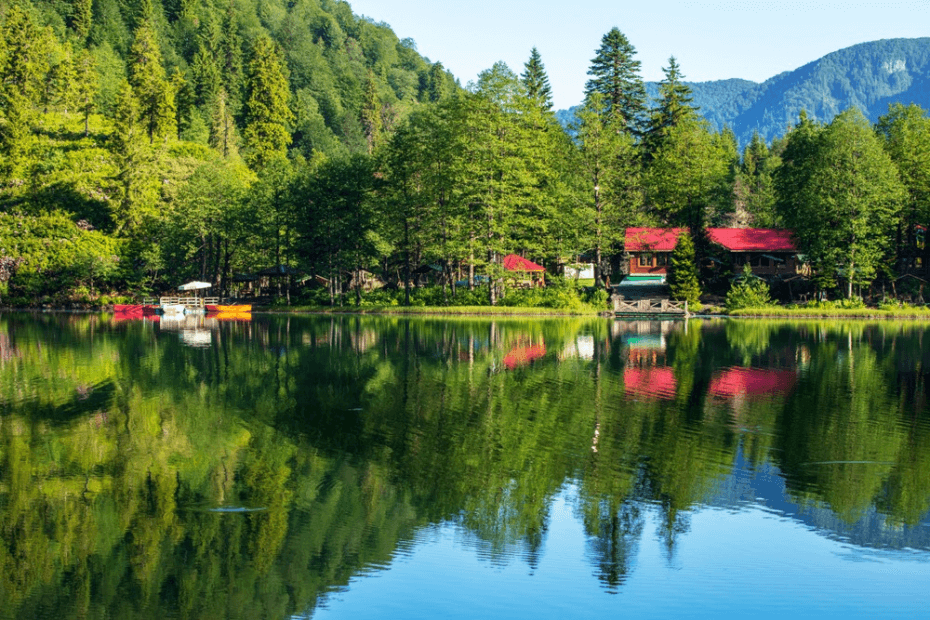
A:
(826, 313)
(436, 310)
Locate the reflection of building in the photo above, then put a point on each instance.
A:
(738, 381)
(650, 383)
(523, 353)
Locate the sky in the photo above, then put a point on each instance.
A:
(711, 39)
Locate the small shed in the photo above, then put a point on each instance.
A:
(524, 272)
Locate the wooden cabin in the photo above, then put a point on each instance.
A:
(768, 251)
(649, 250)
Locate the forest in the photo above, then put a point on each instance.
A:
(148, 143)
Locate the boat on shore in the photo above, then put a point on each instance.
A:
(229, 308)
(135, 310)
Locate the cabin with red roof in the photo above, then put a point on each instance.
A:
(649, 250)
(768, 251)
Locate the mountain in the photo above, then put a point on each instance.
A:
(869, 76)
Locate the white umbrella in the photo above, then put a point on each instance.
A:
(193, 286)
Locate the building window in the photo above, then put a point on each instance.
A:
(661, 260)
(645, 260)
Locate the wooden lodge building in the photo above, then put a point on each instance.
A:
(768, 251)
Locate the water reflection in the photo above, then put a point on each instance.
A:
(251, 473)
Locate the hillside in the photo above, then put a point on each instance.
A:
(868, 76)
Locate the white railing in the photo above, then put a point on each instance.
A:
(188, 302)
(650, 306)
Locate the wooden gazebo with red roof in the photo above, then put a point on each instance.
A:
(524, 271)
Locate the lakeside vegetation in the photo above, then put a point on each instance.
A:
(147, 143)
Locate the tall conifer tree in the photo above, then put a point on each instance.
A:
(371, 113)
(536, 81)
(150, 84)
(615, 74)
(266, 112)
(675, 106)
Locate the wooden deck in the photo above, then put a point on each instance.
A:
(187, 302)
(658, 307)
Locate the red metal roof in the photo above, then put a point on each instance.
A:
(753, 239)
(512, 262)
(652, 239)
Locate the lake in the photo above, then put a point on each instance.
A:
(371, 467)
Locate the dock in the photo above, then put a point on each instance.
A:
(650, 307)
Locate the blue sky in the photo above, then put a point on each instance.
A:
(712, 39)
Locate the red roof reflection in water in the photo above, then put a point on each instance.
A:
(751, 382)
(650, 383)
(523, 355)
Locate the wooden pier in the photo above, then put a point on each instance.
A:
(653, 307)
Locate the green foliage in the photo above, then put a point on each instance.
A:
(57, 256)
(615, 75)
(536, 81)
(683, 272)
(748, 291)
(267, 112)
(841, 193)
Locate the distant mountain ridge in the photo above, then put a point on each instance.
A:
(868, 76)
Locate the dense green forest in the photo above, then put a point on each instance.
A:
(147, 143)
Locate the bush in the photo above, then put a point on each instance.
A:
(749, 291)
(855, 303)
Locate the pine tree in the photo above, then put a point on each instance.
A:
(266, 112)
(755, 186)
(59, 80)
(86, 87)
(80, 18)
(223, 126)
(22, 65)
(371, 113)
(149, 82)
(683, 271)
(536, 81)
(184, 101)
(436, 88)
(615, 74)
(675, 106)
(231, 65)
(206, 77)
(610, 171)
(136, 178)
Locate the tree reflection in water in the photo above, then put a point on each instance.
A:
(142, 477)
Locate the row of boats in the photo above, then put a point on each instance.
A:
(176, 309)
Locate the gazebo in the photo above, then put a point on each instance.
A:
(524, 272)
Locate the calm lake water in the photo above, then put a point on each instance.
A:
(372, 467)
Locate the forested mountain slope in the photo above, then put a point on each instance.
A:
(330, 56)
(868, 76)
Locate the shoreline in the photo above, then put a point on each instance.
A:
(865, 314)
